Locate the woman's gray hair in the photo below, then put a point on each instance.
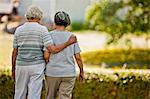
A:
(33, 12)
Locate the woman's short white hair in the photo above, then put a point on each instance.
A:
(34, 12)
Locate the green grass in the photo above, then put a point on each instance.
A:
(134, 58)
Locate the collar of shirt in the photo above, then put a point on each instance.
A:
(32, 23)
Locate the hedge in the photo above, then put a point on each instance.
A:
(115, 85)
(133, 58)
(76, 26)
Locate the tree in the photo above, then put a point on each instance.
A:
(118, 17)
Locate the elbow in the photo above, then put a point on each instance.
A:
(79, 59)
(46, 58)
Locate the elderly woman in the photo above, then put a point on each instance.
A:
(28, 63)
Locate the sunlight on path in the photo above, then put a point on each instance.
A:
(91, 41)
(100, 70)
(110, 71)
(5, 48)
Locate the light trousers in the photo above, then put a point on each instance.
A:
(61, 86)
(28, 81)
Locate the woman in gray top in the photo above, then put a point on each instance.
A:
(60, 69)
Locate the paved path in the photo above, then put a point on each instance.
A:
(101, 70)
(96, 41)
(91, 41)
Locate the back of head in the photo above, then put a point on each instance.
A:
(62, 18)
(33, 12)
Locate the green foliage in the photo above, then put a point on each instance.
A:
(118, 17)
(119, 85)
(78, 26)
(115, 85)
(134, 58)
(6, 86)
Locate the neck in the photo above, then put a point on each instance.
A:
(60, 28)
(33, 20)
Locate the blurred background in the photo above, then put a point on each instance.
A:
(114, 36)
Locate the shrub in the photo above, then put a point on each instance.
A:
(134, 58)
(119, 85)
(115, 85)
(78, 26)
(6, 86)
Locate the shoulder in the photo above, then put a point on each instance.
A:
(19, 28)
(42, 28)
(53, 33)
(69, 33)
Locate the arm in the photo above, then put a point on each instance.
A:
(55, 49)
(80, 65)
(14, 56)
(48, 42)
(46, 56)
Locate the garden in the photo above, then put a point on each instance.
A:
(119, 69)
